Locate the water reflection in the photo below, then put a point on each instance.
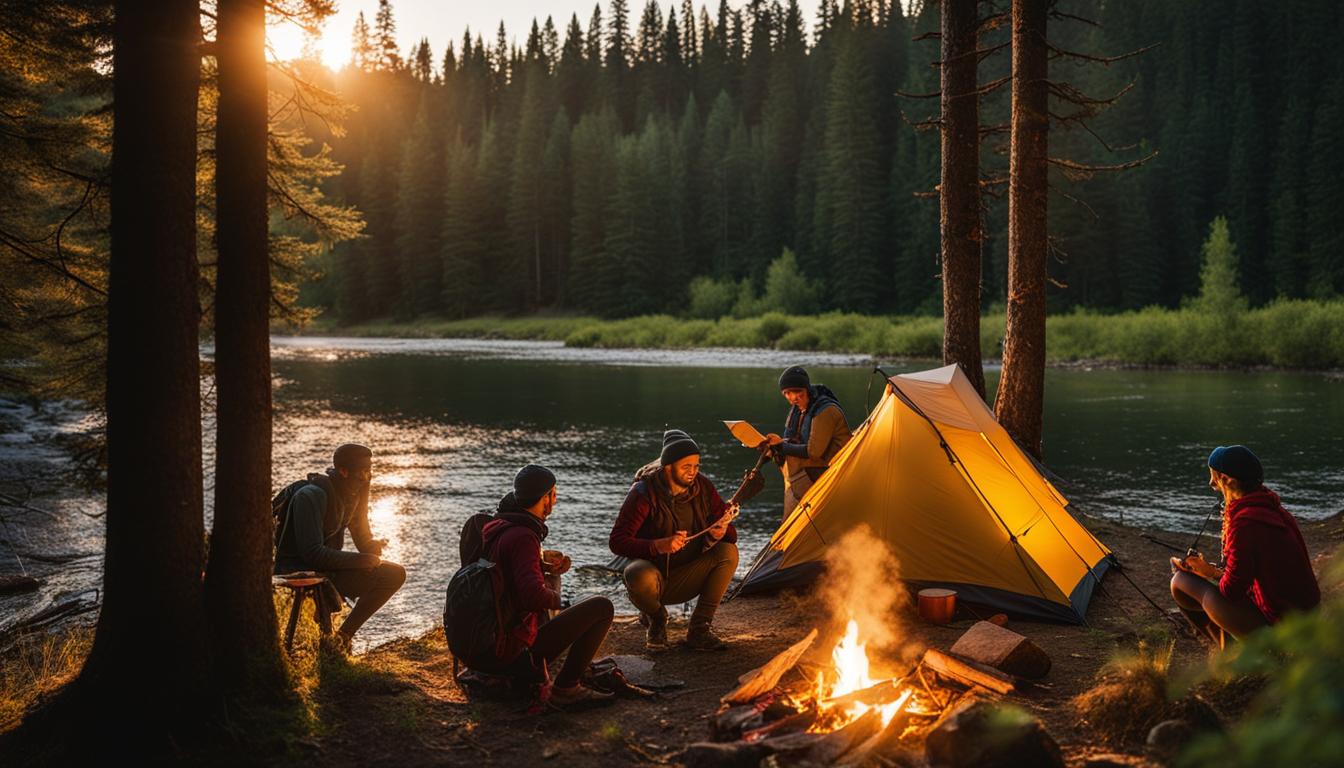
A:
(450, 422)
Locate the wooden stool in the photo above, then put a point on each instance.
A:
(303, 585)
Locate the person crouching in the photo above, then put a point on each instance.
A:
(513, 542)
(670, 502)
(1266, 569)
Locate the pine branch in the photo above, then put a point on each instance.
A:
(992, 22)
(1075, 171)
(933, 95)
(921, 125)
(1080, 202)
(1062, 16)
(926, 36)
(1056, 53)
(1072, 94)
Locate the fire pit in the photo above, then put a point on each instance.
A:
(796, 712)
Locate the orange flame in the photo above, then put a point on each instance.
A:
(851, 665)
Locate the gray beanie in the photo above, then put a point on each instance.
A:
(677, 445)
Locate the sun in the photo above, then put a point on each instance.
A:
(285, 39)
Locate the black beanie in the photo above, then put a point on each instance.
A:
(794, 377)
(677, 445)
(351, 456)
(531, 483)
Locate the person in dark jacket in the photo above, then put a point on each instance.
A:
(814, 431)
(513, 542)
(679, 536)
(312, 538)
(1266, 569)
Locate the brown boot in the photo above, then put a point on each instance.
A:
(656, 638)
(701, 638)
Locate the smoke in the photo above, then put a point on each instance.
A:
(862, 582)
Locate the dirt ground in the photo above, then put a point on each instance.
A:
(400, 705)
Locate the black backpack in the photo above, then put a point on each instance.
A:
(474, 617)
(280, 503)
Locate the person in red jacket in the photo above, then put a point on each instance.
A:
(679, 536)
(1266, 570)
(513, 542)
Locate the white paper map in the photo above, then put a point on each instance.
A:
(745, 433)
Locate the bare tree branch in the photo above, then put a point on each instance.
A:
(1057, 52)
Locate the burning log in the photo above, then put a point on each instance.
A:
(767, 676)
(884, 745)
(968, 673)
(884, 692)
(730, 723)
(799, 721)
(835, 744)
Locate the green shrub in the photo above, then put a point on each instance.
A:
(747, 303)
(787, 289)
(710, 298)
(1296, 718)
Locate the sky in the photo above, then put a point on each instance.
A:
(444, 20)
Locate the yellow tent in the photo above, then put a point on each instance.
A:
(933, 474)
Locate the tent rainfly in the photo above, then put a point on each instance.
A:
(934, 475)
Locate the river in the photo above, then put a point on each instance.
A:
(451, 420)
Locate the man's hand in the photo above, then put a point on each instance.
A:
(554, 562)
(669, 544)
(378, 546)
(772, 439)
(720, 526)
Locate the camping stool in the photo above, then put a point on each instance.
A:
(303, 585)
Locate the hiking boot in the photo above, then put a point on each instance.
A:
(656, 638)
(579, 696)
(701, 638)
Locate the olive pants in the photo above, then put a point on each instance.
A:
(707, 576)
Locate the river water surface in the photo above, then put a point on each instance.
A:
(451, 420)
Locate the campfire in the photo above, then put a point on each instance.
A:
(800, 712)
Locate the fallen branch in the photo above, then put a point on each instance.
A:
(968, 673)
(769, 674)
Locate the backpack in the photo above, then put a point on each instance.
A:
(473, 619)
(474, 614)
(280, 503)
(471, 545)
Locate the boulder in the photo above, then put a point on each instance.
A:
(1168, 738)
(986, 734)
(1003, 649)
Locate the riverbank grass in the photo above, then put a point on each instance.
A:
(1283, 334)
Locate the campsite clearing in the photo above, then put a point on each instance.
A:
(402, 706)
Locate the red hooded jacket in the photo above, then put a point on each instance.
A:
(513, 543)
(1265, 556)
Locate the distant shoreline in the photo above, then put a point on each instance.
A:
(1283, 336)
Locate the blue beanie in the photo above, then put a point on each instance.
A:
(531, 483)
(1237, 462)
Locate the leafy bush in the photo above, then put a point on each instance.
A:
(787, 289)
(710, 298)
(1296, 718)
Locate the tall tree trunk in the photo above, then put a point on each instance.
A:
(150, 644)
(1019, 402)
(238, 583)
(959, 192)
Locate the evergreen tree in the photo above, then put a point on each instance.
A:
(384, 44)
(419, 206)
(589, 282)
(463, 233)
(525, 211)
(1219, 286)
(361, 47)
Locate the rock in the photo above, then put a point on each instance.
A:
(985, 734)
(1003, 649)
(1168, 738)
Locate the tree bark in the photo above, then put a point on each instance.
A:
(146, 671)
(959, 191)
(238, 582)
(1019, 402)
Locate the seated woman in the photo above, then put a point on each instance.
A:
(513, 541)
(1266, 568)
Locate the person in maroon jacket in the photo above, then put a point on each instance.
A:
(513, 542)
(679, 536)
(1266, 569)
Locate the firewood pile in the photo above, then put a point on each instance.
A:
(792, 711)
